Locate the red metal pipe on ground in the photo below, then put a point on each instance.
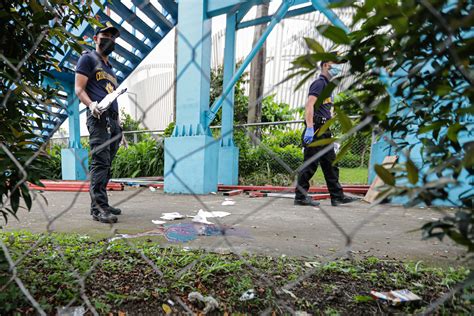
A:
(71, 186)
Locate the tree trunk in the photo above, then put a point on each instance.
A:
(257, 73)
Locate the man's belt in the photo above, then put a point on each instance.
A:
(319, 120)
(109, 113)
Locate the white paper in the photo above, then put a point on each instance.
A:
(157, 222)
(171, 216)
(201, 219)
(109, 98)
(227, 203)
(248, 295)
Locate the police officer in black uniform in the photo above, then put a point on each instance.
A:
(95, 79)
(314, 120)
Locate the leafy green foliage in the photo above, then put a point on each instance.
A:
(240, 99)
(120, 280)
(30, 35)
(10, 295)
(427, 49)
(129, 124)
(145, 158)
(271, 110)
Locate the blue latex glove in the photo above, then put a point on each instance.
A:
(308, 135)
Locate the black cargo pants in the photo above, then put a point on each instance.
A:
(331, 173)
(105, 135)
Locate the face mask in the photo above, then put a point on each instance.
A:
(106, 45)
(335, 70)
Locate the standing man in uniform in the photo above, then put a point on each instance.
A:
(94, 80)
(314, 120)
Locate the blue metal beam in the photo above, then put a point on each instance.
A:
(150, 10)
(280, 14)
(116, 64)
(323, 7)
(171, 6)
(80, 32)
(132, 19)
(127, 36)
(229, 69)
(245, 8)
(219, 7)
(266, 19)
(132, 58)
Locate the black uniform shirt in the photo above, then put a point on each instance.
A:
(102, 79)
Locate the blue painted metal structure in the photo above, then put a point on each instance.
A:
(191, 164)
(163, 18)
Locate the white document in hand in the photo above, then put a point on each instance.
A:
(109, 98)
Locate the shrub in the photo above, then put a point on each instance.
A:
(142, 159)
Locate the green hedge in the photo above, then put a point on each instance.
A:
(258, 165)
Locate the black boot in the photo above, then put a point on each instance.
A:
(343, 200)
(104, 217)
(114, 211)
(308, 201)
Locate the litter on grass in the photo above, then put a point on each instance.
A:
(396, 297)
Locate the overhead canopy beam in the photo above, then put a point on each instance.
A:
(268, 18)
(219, 7)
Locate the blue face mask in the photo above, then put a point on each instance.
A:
(335, 70)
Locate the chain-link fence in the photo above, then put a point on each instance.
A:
(92, 275)
(257, 166)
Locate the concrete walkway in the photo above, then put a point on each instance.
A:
(275, 225)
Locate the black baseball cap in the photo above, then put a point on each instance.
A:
(107, 27)
(337, 61)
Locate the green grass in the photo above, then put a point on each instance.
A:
(119, 279)
(346, 176)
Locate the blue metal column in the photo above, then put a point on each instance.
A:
(74, 160)
(191, 153)
(228, 153)
(279, 14)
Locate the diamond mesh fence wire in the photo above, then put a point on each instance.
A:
(257, 167)
(74, 270)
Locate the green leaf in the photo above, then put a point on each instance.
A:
(305, 78)
(325, 127)
(468, 160)
(324, 95)
(39, 121)
(25, 192)
(363, 298)
(314, 45)
(36, 6)
(342, 152)
(400, 25)
(345, 121)
(385, 175)
(453, 132)
(412, 171)
(384, 105)
(337, 35)
(95, 22)
(322, 142)
(428, 128)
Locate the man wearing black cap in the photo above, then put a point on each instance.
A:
(94, 80)
(314, 120)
